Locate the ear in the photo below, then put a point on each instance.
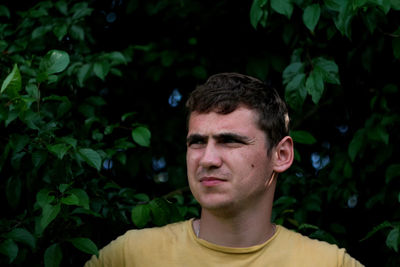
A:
(283, 155)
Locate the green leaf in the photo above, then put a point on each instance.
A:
(91, 157)
(371, 19)
(379, 134)
(141, 135)
(392, 240)
(324, 236)
(58, 149)
(142, 197)
(390, 88)
(71, 199)
(356, 144)
(329, 70)
(116, 72)
(82, 197)
(141, 215)
(127, 115)
(312, 203)
(396, 47)
(53, 256)
(77, 32)
(392, 171)
(86, 211)
(297, 155)
(33, 91)
(54, 61)
(296, 92)
(284, 7)
(63, 187)
(291, 71)
(60, 31)
(16, 159)
(44, 198)
(13, 83)
(13, 191)
(303, 137)
(81, 10)
(85, 244)
(68, 140)
(40, 31)
(12, 115)
(345, 17)
(3, 45)
(308, 226)
(18, 142)
(49, 213)
(285, 201)
(62, 6)
(376, 229)
(384, 5)
(347, 170)
(96, 101)
(10, 249)
(258, 13)
(160, 211)
(101, 69)
(315, 85)
(116, 58)
(41, 77)
(395, 4)
(22, 235)
(83, 74)
(4, 12)
(40, 12)
(311, 16)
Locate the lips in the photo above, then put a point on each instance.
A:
(211, 181)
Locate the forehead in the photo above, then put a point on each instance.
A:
(242, 121)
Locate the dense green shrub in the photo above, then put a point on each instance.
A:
(90, 146)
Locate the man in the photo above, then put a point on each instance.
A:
(237, 143)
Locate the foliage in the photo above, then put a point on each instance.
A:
(56, 138)
(340, 75)
(89, 142)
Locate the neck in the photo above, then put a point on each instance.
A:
(246, 228)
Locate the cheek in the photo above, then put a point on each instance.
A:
(191, 162)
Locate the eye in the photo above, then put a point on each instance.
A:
(231, 140)
(196, 142)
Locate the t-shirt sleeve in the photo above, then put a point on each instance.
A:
(349, 261)
(111, 255)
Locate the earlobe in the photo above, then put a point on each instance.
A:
(283, 154)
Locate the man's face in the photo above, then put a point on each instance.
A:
(227, 162)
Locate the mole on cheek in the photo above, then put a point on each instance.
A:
(252, 165)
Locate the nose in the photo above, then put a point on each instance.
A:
(211, 157)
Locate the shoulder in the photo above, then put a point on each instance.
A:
(168, 231)
(321, 253)
(133, 244)
(139, 239)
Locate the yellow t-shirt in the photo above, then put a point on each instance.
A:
(177, 245)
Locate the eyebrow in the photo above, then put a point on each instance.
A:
(220, 137)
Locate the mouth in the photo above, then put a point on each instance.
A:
(211, 181)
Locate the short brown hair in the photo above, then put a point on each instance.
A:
(224, 92)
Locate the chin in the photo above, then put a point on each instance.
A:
(219, 206)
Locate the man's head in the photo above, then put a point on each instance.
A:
(225, 92)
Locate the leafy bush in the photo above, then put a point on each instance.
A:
(89, 142)
(57, 141)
